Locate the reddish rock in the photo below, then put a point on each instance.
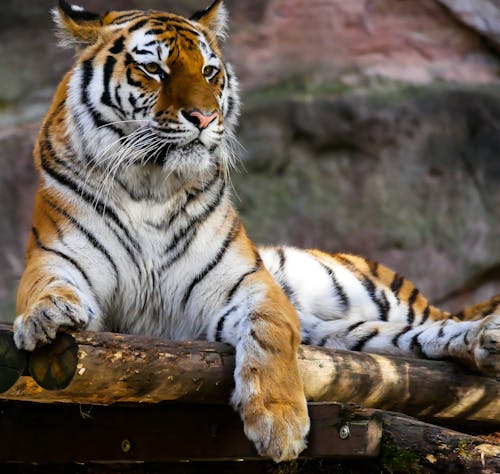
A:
(402, 40)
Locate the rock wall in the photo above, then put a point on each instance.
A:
(369, 126)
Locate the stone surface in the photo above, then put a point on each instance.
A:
(482, 16)
(369, 126)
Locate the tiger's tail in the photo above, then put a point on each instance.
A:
(480, 310)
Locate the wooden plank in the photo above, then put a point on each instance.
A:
(115, 368)
(158, 433)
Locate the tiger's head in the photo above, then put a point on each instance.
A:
(149, 88)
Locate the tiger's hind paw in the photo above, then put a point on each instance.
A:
(486, 346)
(40, 323)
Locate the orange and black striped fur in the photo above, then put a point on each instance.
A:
(134, 230)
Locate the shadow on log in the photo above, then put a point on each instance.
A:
(115, 368)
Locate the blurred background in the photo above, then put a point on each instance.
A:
(368, 126)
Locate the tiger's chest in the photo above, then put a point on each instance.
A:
(169, 251)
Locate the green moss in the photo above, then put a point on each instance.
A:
(394, 459)
(298, 87)
(380, 92)
(6, 104)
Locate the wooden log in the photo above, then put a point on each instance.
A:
(12, 361)
(123, 368)
(179, 432)
(53, 366)
(162, 432)
(411, 446)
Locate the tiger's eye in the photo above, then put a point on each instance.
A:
(210, 71)
(152, 68)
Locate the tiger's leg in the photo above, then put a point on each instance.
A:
(472, 343)
(54, 292)
(48, 302)
(348, 302)
(264, 329)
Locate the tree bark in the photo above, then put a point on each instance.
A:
(411, 446)
(123, 368)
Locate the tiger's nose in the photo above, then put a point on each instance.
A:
(200, 119)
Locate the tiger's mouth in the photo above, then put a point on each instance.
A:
(180, 153)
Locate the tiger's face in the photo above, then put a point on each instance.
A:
(149, 88)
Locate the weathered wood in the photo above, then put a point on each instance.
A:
(164, 432)
(122, 368)
(161, 432)
(53, 366)
(12, 361)
(411, 446)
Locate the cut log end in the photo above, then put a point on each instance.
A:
(12, 361)
(54, 366)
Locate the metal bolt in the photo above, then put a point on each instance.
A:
(344, 432)
(126, 446)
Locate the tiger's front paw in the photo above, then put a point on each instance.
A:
(486, 346)
(40, 323)
(279, 429)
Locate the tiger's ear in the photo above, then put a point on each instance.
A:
(76, 26)
(214, 18)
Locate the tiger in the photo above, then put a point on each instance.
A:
(134, 230)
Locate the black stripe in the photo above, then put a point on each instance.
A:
(127, 17)
(354, 326)
(87, 74)
(222, 320)
(489, 310)
(416, 347)
(283, 284)
(180, 252)
(441, 328)
(266, 346)
(220, 327)
(382, 303)
(373, 267)
(395, 339)
(425, 314)
(235, 287)
(60, 254)
(88, 235)
(235, 227)
(281, 255)
(130, 80)
(117, 45)
(118, 99)
(109, 66)
(452, 338)
(230, 105)
(155, 31)
(364, 340)
(190, 197)
(397, 283)
(411, 301)
(60, 234)
(137, 25)
(323, 341)
(136, 50)
(195, 221)
(337, 288)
